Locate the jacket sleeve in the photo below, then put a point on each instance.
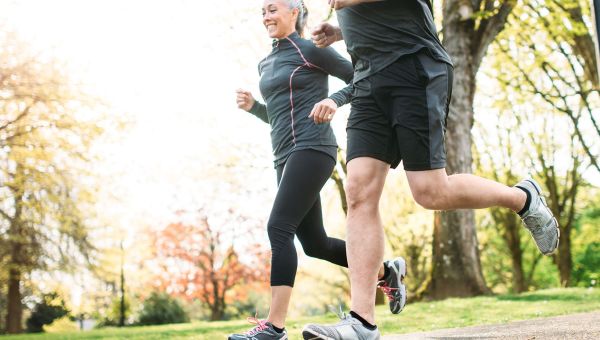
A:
(260, 111)
(334, 64)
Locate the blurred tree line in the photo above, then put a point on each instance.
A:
(47, 126)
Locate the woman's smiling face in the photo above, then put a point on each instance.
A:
(279, 19)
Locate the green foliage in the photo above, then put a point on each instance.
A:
(62, 325)
(50, 308)
(160, 308)
(586, 244)
(586, 271)
(113, 314)
(538, 81)
(257, 302)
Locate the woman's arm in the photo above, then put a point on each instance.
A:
(331, 62)
(246, 102)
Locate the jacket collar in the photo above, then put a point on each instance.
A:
(294, 36)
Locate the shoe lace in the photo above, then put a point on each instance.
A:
(340, 314)
(387, 290)
(261, 325)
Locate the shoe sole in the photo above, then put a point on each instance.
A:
(401, 275)
(539, 192)
(308, 334)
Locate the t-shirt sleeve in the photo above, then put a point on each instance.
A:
(334, 64)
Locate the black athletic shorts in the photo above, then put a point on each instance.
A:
(399, 113)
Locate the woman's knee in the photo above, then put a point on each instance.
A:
(280, 234)
(313, 250)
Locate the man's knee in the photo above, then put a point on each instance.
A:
(360, 194)
(429, 196)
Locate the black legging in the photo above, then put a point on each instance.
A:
(297, 211)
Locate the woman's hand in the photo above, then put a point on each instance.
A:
(323, 111)
(244, 99)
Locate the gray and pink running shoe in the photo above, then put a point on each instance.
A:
(393, 285)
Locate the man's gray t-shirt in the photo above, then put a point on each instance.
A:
(378, 33)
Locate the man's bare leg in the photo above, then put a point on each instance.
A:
(365, 239)
(435, 190)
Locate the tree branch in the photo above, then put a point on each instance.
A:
(489, 29)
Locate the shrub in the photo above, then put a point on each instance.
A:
(50, 308)
(160, 308)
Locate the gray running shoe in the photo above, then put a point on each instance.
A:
(538, 219)
(393, 286)
(263, 331)
(348, 328)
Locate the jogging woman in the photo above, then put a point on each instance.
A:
(294, 84)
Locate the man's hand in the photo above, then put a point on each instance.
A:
(339, 4)
(325, 34)
(323, 111)
(244, 99)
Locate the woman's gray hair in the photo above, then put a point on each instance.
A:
(302, 14)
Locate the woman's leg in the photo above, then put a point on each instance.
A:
(315, 242)
(301, 180)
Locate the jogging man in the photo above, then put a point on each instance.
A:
(401, 97)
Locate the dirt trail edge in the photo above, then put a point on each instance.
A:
(574, 326)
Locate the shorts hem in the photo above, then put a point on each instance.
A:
(380, 157)
(424, 166)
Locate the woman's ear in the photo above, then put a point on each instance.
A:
(295, 13)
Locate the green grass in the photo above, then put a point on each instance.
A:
(420, 316)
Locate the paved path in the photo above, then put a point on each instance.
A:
(575, 326)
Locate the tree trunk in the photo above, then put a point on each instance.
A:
(564, 259)
(216, 313)
(456, 268)
(122, 304)
(513, 240)
(15, 307)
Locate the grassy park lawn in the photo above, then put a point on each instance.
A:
(415, 317)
